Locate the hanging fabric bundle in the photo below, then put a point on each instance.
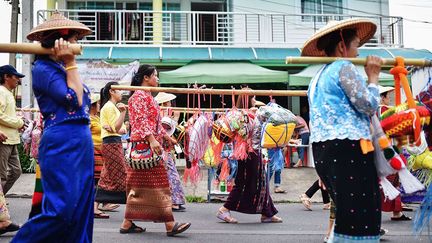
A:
(383, 167)
(406, 122)
(384, 151)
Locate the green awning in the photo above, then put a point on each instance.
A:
(304, 77)
(179, 56)
(222, 73)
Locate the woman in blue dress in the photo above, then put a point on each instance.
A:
(66, 147)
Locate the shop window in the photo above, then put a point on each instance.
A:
(334, 7)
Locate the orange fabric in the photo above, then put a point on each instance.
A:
(366, 146)
(384, 142)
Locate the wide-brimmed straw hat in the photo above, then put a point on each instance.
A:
(163, 97)
(57, 22)
(94, 98)
(365, 29)
(383, 89)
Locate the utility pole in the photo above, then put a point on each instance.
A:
(27, 99)
(14, 28)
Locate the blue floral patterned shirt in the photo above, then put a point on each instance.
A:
(341, 103)
(57, 102)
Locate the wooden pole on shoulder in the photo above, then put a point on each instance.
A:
(34, 48)
(356, 61)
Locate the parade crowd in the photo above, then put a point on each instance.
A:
(96, 152)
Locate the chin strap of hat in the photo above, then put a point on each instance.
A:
(343, 44)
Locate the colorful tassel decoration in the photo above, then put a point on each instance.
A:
(390, 192)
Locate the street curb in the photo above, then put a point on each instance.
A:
(18, 196)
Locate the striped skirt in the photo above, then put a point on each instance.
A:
(149, 196)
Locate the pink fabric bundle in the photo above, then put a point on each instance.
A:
(199, 137)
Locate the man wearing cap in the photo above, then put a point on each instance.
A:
(10, 167)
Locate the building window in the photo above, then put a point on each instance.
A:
(334, 7)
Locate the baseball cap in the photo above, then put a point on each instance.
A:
(8, 69)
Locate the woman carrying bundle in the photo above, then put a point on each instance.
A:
(341, 103)
(66, 147)
(250, 193)
(148, 190)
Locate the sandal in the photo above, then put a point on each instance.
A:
(179, 209)
(327, 206)
(101, 215)
(108, 207)
(305, 201)
(10, 228)
(132, 229)
(407, 209)
(401, 218)
(226, 217)
(178, 228)
(274, 219)
(279, 190)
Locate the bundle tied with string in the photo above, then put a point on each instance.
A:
(420, 160)
(388, 161)
(404, 119)
(278, 125)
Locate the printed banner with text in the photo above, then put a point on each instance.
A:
(95, 74)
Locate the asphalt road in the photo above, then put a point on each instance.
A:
(298, 226)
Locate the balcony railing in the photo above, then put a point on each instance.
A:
(216, 28)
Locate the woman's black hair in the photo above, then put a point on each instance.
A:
(49, 39)
(384, 94)
(329, 42)
(105, 93)
(143, 70)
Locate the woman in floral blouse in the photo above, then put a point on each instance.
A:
(341, 102)
(148, 191)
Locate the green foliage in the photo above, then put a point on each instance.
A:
(195, 199)
(27, 164)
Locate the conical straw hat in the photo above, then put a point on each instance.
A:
(365, 30)
(57, 21)
(163, 97)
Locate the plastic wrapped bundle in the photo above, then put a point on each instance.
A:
(275, 114)
(222, 130)
(274, 136)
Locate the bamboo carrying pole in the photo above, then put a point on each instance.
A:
(356, 61)
(179, 109)
(214, 91)
(34, 48)
(192, 110)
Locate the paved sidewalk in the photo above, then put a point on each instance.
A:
(295, 181)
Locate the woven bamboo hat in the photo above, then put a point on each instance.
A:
(163, 97)
(365, 30)
(57, 22)
(383, 89)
